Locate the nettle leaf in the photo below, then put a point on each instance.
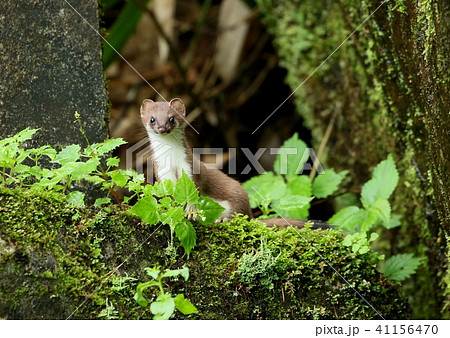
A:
(401, 266)
(293, 206)
(76, 197)
(383, 183)
(186, 234)
(327, 183)
(24, 135)
(185, 190)
(163, 307)
(211, 210)
(299, 185)
(68, 154)
(184, 306)
(264, 189)
(146, 210)
(165, 188)
(113, 162)
(394, 221)
(291, 157)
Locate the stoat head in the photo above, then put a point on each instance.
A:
(163, 117)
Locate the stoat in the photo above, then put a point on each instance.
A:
(172, 153)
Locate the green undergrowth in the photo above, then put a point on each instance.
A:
(61, 261)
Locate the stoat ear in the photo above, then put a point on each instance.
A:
(147, 104)
(178, 105)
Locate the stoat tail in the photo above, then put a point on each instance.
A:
(286, 222)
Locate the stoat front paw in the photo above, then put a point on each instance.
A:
(223, 219)
(191, 214)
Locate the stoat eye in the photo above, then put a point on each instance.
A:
(152, 120)
(172, 120)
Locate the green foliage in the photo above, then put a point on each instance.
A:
(165, 304)
(400, 267)
(286, 193)
(374, 199)
(164, 202)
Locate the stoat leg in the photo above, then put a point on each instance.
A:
(190, 210)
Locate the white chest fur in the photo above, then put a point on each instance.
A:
(169, 155)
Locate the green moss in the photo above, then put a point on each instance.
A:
(58, 261)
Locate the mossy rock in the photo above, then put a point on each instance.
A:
(58, 261)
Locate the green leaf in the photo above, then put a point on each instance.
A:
(327, 183)
(165, 188)
(394, 221)
(382, 209)
(264, 188)
(291, 157)
(186, 234)
(153, 272)
(211, 210)
(185, 190)
(99, 202)
(146, 210)
(68, 154)
(84, 169)
(299, 185)
(163, 307)
(107, 146)
(120, 177)
(184, 306)
(383, 183)
(401, 266)
(24, 135)
(349, 219)
(293, 206)
(184, 272)
(113, 162)
(76, 197)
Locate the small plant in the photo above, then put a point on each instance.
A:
(285, 191)
(109, 312)
(258, 267)
(165, 304)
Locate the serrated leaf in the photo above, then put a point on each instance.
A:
(163, 307)
(184, 306)
(185, 190)
(84, 169)
(299, 185)
(146, 210)
(383, 183)
(76, 197)
(264, 189)
(107, 146)
(113, 162)
(293, 206)
(291, 157)
(68, 154)
(382, 209)
(186, 234)
(24, 135)
(349, 219)
(401, 266)
(327, 183)
(211, 210)
(119, 177)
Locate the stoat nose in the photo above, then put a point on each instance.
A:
(162, 130)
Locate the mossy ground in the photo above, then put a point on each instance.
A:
(57, 261)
